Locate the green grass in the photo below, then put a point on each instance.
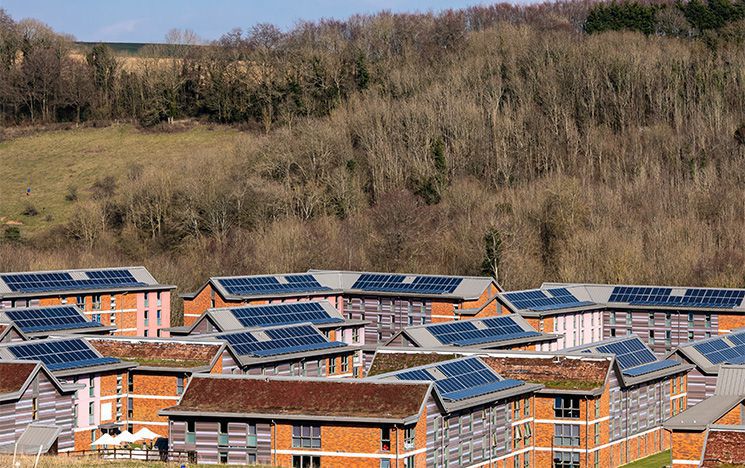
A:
(50, 162)
(655, 461)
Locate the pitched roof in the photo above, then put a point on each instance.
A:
(724, 447)
(301, 398)
(554, 372)
(710, 353)
(159, 353)
(47, 320)
(54, 282)
(385, 362)
(14, 374)
(35, 436)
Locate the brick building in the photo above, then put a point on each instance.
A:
(74, 361)
(9, 332)
(693, 430)
(665, 317)
(386, 302)
(391, 421)
(30, 396)
(592, 411)
(300, 350)
(503, 332)
(708, 356)
(163, 369)
(127, 298)
(42, 322)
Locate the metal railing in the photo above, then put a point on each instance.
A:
(139, 454)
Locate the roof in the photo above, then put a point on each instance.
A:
(301, 398)
(490, 332)
(554, 372)
(55, 282)
(464, 382)
(320, 313)
(7, 328)
(160, 354)
(35, 436)
(710, 353)
(724, 446)
(656, 296)
(548, 301)
(728, 393)
(16, 376)
(273, 344)
(46, 320)
(328, 282)
(634, 361)
(63, 356)
(385, 362)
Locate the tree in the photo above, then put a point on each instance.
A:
(103, 65)
(492, 254)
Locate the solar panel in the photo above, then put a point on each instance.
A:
(279, 341)
(693, 297)
(467, 333)
(65, 281)
(49, 318)
(255, 285)
(406, 283)
(60, 354)
(466, 378)
(544, 299)
(649, 368)
(629, 353)
(719, 350)
(283, 314)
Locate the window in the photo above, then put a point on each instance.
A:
(527, 434)
(690, 336)
(63, 300)
(566, 435)
(147, 300)
(596, 459)
(650, 320)
(355, 335)
(223, 458)
(191, 433)
(628, 318)
(344, 364)
(93, 436)
(112, 319)
(158, 300)
(112, 302)
(212, 299)
(145, 333)
(147, 318)
(332, 366)
(566, 407)
(612, 332)
(707, 321)
(251, 459)
(409, 462)
(668, 319)
(91, 418)
(526, 408)
(516, 461)
(385, 439)
(251, 436)
(385, 463)
(130, 408)
(411, 320)
(597, 433)
(651, 337)
(97, 302)
(690, 319)
(516, 409)
(526, 460)
(517, 437)
(157, 317)
(668, 340)
(566, 459)
(80, 302)
(130, 383)
(222, 434)
(466, 424)
(179, 385)
(306, 436)
(629, 332)
(597, 408)
(612, 317)
(319, 368)
(91, 387)
(707, 334)
(34, 409)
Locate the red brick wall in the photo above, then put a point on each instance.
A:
(687, 446)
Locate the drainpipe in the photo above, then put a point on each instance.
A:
(274, 442)
(396, 429)
(587, 431)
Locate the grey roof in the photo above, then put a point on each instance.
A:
(35, 437)
(467, 402)
(140, 273)
(699, 416)
(337, 282)
(628, 380)
(587, 302)
(421, 335)
(224, 320)
(731, 380)
(97, 328)
(704, 364)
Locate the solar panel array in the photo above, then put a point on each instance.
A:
(64, 281)
(651, 367)
(60, 354)
(629, 353)
(406, 283)
(545, 299)
(281, 341)
(729, 349)
(283, 314)
(256, 285)
(467, 333)
(466, 378)
(49, 318)
(693, 297)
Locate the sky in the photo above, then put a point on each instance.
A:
(150, 20)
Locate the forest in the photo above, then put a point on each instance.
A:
(572, 141)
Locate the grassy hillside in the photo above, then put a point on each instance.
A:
(55, 163)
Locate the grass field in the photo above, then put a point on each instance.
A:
(655, 461)
(52, 162)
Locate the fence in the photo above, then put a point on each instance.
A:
(140, 454)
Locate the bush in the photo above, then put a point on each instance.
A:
(12, 234)
(30, 210)
(629, 16)
(72, 193)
